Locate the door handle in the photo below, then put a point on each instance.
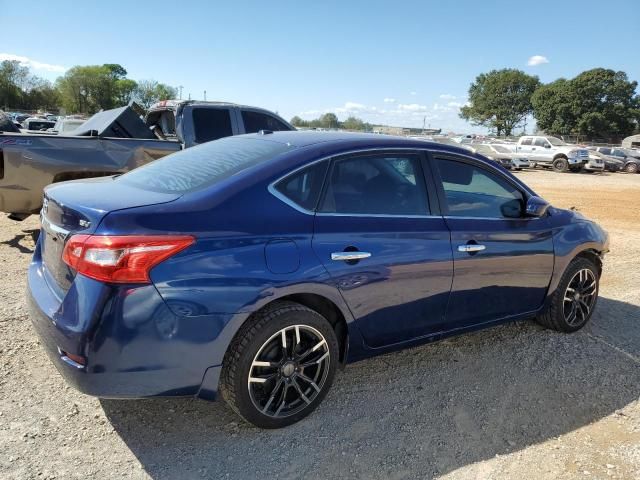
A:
(469, 248)
(346, 256)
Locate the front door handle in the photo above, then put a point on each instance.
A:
(472, 247)
(346, 256)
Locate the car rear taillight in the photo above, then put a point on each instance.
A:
(121, 259)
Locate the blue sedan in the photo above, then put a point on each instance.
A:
(252, 267)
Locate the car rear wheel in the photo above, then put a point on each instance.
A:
(574, 300)
(280, 365)
(631, 168)
(561, 164)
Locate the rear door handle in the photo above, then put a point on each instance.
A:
(471, 248)
(346, 256)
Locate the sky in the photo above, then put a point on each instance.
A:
(401, 63)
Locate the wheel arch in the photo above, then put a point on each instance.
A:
(560, 155)
(591, 252)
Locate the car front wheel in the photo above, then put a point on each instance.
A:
(280, 365)
(561, 165)
(574, 300)
(631, 168)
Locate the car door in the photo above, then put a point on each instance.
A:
(503, 261)
(204, 123)
(388, 252)
(253, 121)
(541, 150)
(524, 146)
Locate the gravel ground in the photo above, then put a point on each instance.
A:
(515, 401)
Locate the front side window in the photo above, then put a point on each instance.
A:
(303, 187)
(382, 184)
(472, 191)
(256, 121)
(211, 124)
(541, 142)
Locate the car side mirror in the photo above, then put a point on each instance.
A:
(547, 146)
(536, 207)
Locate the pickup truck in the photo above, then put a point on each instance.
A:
(551, 152)
(115, 141)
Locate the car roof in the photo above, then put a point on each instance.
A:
(307, 138)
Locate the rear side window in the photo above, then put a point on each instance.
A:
(471, 191)
(303, 187)
(211, 124)
(384, 184)
(256, 121)
(526, 141)
(204, 165)
(605, 151)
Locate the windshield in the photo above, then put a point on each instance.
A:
(204, 165)
(556, 142)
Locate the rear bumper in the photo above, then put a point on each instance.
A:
(133, 344)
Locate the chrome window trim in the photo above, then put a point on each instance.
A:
(373, 215)
(454, 217)
(272, 189)
(283, 198)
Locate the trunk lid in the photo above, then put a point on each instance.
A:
(77, 207)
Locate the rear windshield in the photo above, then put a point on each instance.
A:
(204, 165)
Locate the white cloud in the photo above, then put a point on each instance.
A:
(27, 62)
(412, 107)
(389, 100)
(413, 93)
(537, 60)
(437, 115)
(448, 96)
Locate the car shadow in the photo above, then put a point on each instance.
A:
(421, 412)
(28, 236)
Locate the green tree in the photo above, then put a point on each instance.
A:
(500, 99)
(329, 120)
(598, 103)
(125, 91)
(298, 122)
(13, 77)
(149, 92)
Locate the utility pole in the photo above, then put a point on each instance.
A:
(205, 95)
(180, 88)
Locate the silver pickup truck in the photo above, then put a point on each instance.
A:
(115, 141)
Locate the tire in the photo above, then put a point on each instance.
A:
(631, 168)
(568, 296)
(561, 164)
(280, 394)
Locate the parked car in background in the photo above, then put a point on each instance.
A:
(7, 124)
(611, 164)
(551, 152)
(254, 266)
(36, 125)
(630, 164)
(502, 155)
(65, 125)
(115, 141)
(595, 164)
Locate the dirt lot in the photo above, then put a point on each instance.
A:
(515, 401)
